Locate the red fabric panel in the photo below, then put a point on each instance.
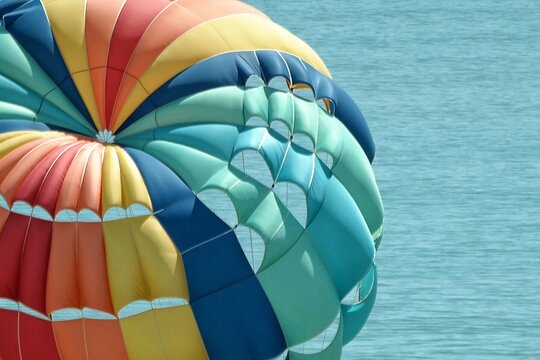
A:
(29, 188)
(9, 344)
(37, 339)
(34, 265)
(12, 239)
(48, 194)
(135, 17)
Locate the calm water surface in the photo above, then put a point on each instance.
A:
(451, 91)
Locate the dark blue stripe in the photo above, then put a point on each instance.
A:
(29, 26)
(18, 125)
(234, 315)
(235, 68)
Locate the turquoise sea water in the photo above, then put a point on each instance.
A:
(451, 91)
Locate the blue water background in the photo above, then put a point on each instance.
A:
(451, 91)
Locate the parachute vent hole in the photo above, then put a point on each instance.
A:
(220, 204)
(303, 141)
(294, 199)
(304, 91)
(280, 128)
(251, 163)
(254, 81)
(252, 244)
(326, 159)
(256, 122)
(279, 83)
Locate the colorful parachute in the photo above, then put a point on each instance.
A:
(116, 118)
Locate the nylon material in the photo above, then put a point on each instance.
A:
(297, 167)
(355, 316)
(133, 188)
(70, 339)
(69, 33)
(20, 68)
(126, 278)
(333, 351)
(225, 319)
(100, 332)
(90, 194)
(29, 187)
(152, 333)
(12, 93)
(36, 339)
(255, 104)
(322, 341)
(12, 238)
(30, 27)
(71, 187)
(301, 274)
(62, 275)
(259, 34)
(160, 262)
(101, 17)
(11, 111)
(203, 137)
(281, 106)
(17, 174)
(339, 219)
(12, 125)
(223, 104)
(111, 183)
(132, 22)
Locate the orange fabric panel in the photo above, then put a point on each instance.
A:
(70, 339)
(29, 160)
(175, 20)
(71, 187)
(90, 194)
(62, 282)
(104, 340)
(92, 266)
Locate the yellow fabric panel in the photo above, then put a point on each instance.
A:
(163, 334)
(160, 262)
(67, 19)
(133, 188)
(126, 279)
(111, 186)
(12, 140)
(234, 33)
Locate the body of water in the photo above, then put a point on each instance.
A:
(451, 92)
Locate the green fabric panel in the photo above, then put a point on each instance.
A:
(11, 111)
(356, 174)
(356, 316)
(231, 105)
(306, 118)
(12, 92)
(221, 105)
(203, 137)
(332, 352)
(255, 104)
(255, 205)
(272, 218)
(21, 68)
(301, 274)
(17, 66)
(280, 107)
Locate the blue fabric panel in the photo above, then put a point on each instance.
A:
(235, 68)
(29, 26)
(238, 322)
(211, 253)
(7, 6)
(224, 292)
(18, 125)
